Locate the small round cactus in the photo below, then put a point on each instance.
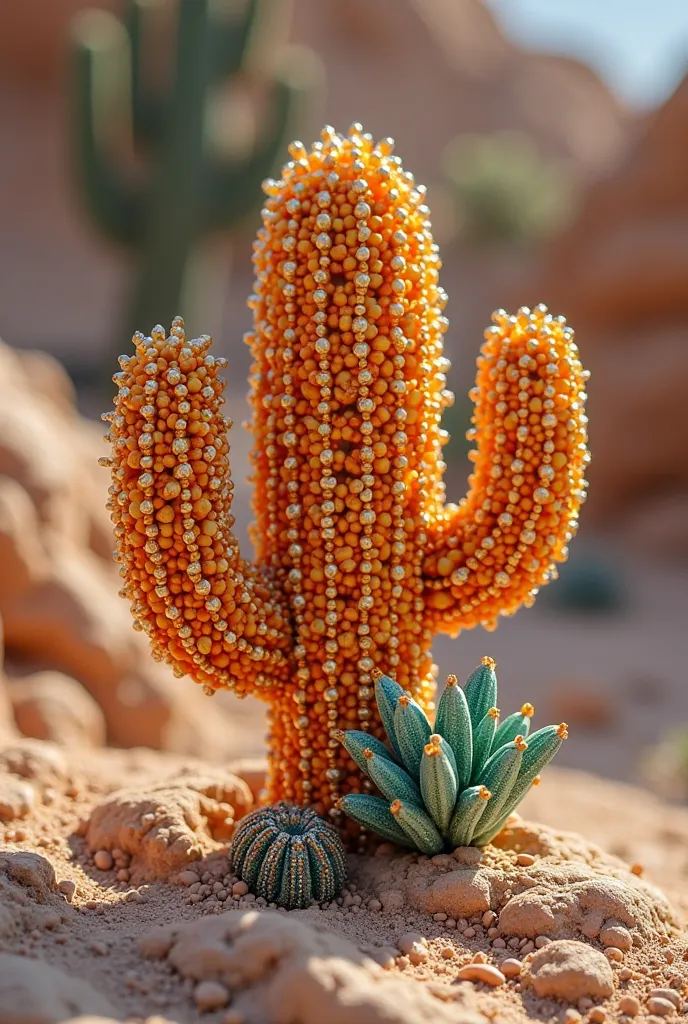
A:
(289, 856)
(455, 786)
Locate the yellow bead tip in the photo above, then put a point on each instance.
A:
(563, 731)
(451, 680)
(368, 754)
(520, 743)
(494, 713)
(395, 807)
(404, 700)
(376, 673)
(484, 793)
(536, 781)
(527, 710)
(433, 748)
(488, 662)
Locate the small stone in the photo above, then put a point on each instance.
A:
(210, 995)
(103, 860)
(374, 905)
(239, 889)
(511, 967)
(448, 952)
(67, 887)
(625, 974)
(410, 939)
(571, 1016)
(488, 918)
(187, 877)
(597, 1015)
(660, 1006)
(498, 943)
(469, 933)
(570, 970)
(612, 953)
(403, 962)
(450, 923)
(616, 936)
(439, 917)
(629, 1005)
(122, 875)
(488, 974)
(17, 798)
(524, 860)
(541, 940)
(527, 947)
(667, 993)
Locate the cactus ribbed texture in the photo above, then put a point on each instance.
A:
(289, 856)
(359, 560)
(447, 811)
(193, 185)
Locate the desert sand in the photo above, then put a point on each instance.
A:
(117, 900)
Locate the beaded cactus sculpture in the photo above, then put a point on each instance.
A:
(360, 561)
(289, 856)
(455, 786)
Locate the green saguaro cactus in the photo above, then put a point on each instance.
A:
(155, 162)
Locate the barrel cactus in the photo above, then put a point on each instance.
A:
(455, 786)
(289, 856)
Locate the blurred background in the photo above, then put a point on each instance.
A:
(553, 138)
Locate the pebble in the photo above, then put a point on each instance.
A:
(630, 1006)
(511, 967)
(448, 952)
(410, 939)
(612, 953)
(625, 974)
(571, 1016)
(374, 905)
(469, 933)
(616, 936)
(667, 993)
(67, 887)
(541, 941)
(103, 860)
(488, 918)
(439, 917)
(187, 877)
(403, 962)
(597, 1015)
(450, 923)
(210, 995)
(660, 1006)
(122, 875)
(499, 943)
(487, 973)
(524, 860)
(239, 889)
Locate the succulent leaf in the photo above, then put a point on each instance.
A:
(481, 691)
(387, 693)
(499, 776)
(453, 722)
(418, 826)
(372, 812)
(391, 780)
(483, 740)
(412, 731)
(289, 856)
(355, 741)
(515, 725)
(438, 781)
(470, 808)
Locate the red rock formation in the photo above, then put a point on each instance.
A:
(621, 274)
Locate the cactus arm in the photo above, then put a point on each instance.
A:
(206, 610)
(231, 187)
(490, 554)
(101, 124)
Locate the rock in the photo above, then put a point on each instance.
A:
(33, 992)
(29, 870)
(210, 995)
(616, 936)
(629, 1005)
(619, 271)
(463, 892)
(279, 968)
(668, 993)
(17, 798)
(52, 706)
(43, 764)
(171, 824)
(660, 1006)
(488, 974)
(569, 970)
(511, 967)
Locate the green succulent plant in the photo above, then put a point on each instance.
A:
(455, 786)
(289, 856)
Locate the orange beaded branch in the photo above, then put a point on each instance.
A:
(359, 560)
